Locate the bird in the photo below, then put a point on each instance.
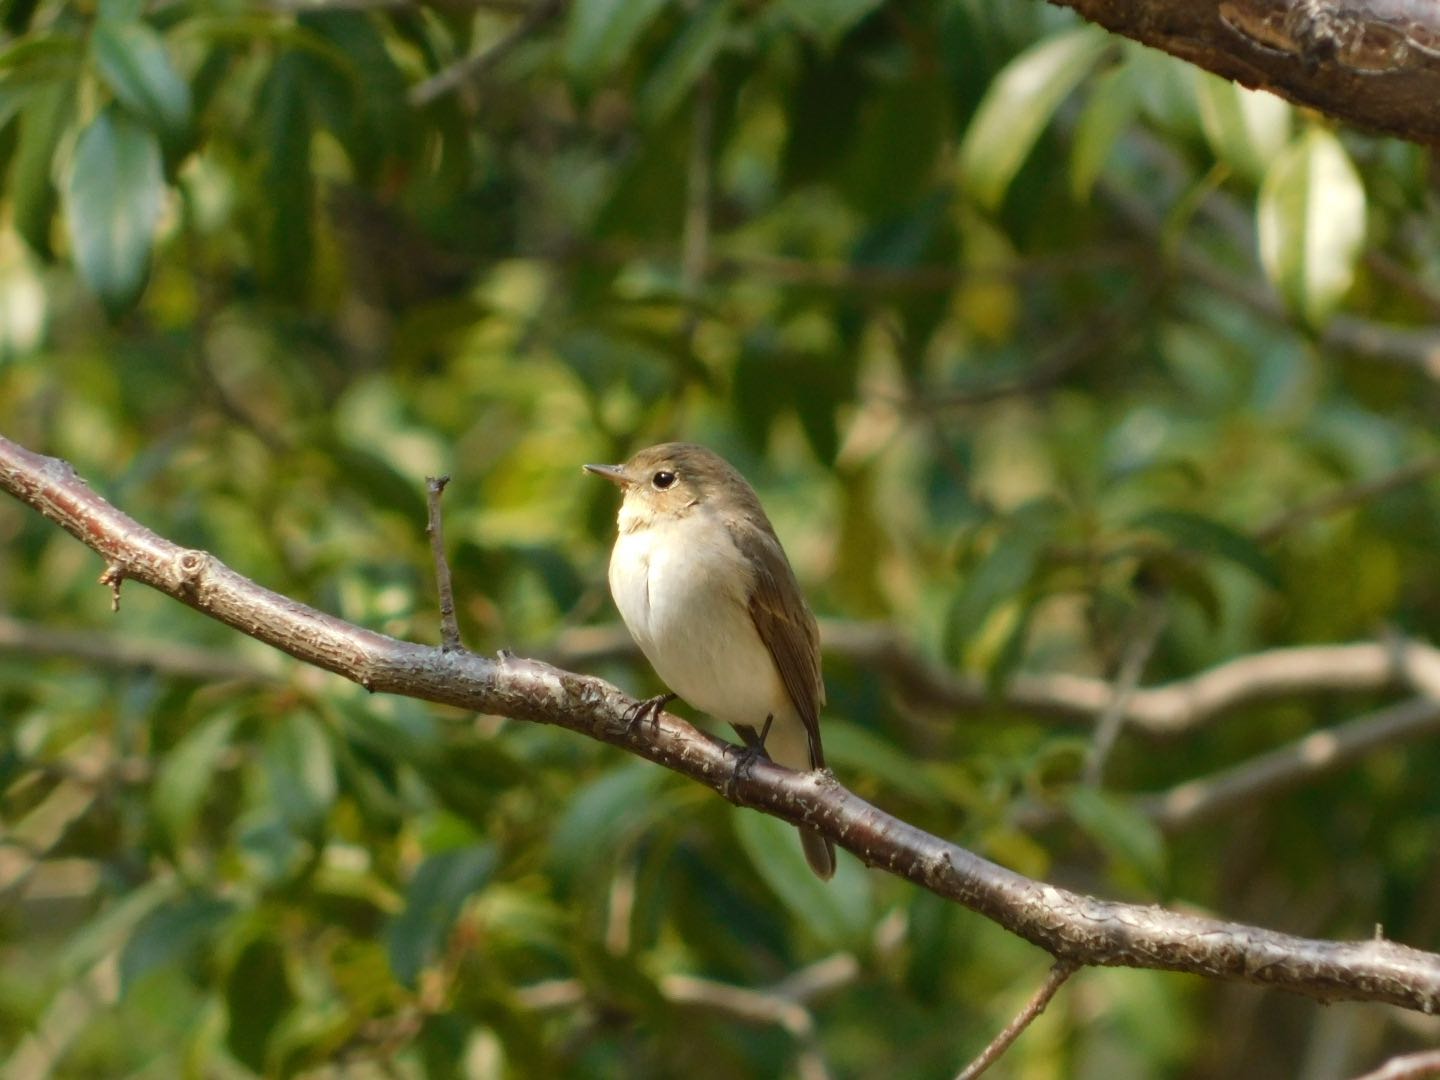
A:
(705, 589)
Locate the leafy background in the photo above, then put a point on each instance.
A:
(1025, 336)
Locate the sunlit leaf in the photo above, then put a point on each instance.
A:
(1312, 224)
(113, 197)
(1245, 128)
(1018, 105)
(1112, 107)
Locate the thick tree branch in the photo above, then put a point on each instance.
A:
(1375, 63)
(1080, 929)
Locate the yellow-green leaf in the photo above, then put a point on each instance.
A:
(1019, 104)
(1312, 224)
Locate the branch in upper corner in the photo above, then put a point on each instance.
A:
(1072, 927)
(1371, 64)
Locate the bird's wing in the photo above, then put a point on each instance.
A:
(787, 627)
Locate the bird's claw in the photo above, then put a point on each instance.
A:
(751, 752)
(650, 708)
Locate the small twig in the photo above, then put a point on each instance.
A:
(1150, 623)
(113, 576)
(1408, 1067)
(1062, 970)
(473, 67)
(1346, 497)
(449, 627)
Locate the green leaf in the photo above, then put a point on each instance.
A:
(43, 121)
(688, 57)
(113, 198)
(1121, 830)
(601, 34)
(604, 813)
(1245, 128)
(1002, 574)
(258, 996)
(827, 20)
(437, 892)
(1312, 224)
(1113, 106)
(300, 765)
(1208, 537)
(132, 60)
(855, 749)
(285, 124)
(1019, 104)
(185, 776)
(174, 933)
(836, 912)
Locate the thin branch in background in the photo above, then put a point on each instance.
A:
(1061, 971)
(121, 651)
(477, 66)
(1394, 273)
(435, 527)
(1308, 758)
(782, 1004)
(1346, 497)
(1150, 624)
(1314, 755)
(1409, 1067)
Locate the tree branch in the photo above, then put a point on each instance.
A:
(1375, 63)
(1080, 929)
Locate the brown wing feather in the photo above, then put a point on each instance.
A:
(787, 627)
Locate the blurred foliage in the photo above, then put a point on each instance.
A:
(1017, 328)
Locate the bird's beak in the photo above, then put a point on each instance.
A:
(614, 473)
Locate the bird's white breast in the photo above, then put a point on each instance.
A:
(682, 588)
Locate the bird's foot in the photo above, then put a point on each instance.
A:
(650, 708)
(751, 752)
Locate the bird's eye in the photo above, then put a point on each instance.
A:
(663, 479)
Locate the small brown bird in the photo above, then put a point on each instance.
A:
(707, 593)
